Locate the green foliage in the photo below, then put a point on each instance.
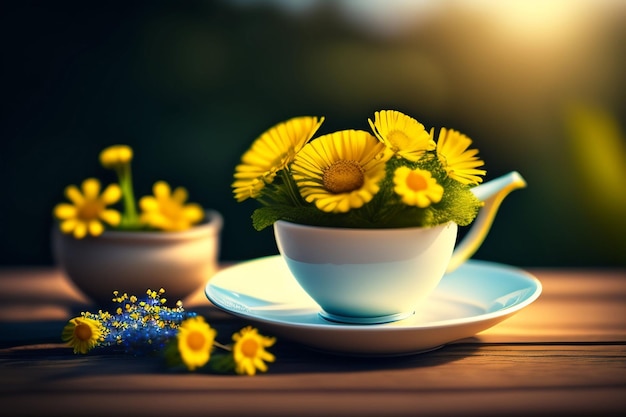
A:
(222, 363)
(281, 201)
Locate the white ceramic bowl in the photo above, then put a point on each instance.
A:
(133, 262)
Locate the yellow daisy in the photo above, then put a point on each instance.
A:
(459, 162)
(417, 187)
(274, 150)
(249, 351)
(404, 136)
(168, 211)
(195, 341)
(340, 171)
(82, 334)
(89, 208)
(116, 156)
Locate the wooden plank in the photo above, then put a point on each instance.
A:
(455, 367)
(475, 380)
(344, 402)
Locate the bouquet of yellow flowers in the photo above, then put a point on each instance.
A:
(88, 212)
(397, 176)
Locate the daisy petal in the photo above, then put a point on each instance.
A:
(112, 217)
(148, 203)
(95, 228)
(180, 195)
(68, 226)
(74, 195)
(161, 190)
(80, 230)
(111, 194)
(91, 188)
(64, 211)
(193, 213)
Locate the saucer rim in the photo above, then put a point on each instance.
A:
(470, 263)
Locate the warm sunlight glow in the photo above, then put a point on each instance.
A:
(533, 21)
(536, 21)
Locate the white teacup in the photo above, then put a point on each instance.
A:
(369, 276)
(366, 275)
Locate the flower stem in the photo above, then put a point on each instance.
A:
(221, 346)
(292, 188)
(129, 217)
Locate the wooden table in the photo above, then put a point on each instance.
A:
(565, 354)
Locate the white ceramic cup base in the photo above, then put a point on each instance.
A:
(365, 320)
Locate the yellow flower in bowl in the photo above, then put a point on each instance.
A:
(356, 179)
(340, 171)
(171, 243)
(167, 210)
(88, 209)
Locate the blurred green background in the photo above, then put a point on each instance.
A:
(538, 85)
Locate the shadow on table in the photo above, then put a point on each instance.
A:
(290, 358)
(295, 358)
(41, 340)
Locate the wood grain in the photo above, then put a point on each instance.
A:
(565, 354)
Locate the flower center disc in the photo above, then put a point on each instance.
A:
(416, 182)
(343, 176)
(91, 210)
(195, 340)
(83, 332)
(249, 348)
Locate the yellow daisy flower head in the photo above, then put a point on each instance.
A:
(116, 156)
(166, 210)
(195, 341)
(404, 136)
(271, 152)
(340, 171)
(416, 187)
(82, 334)
(88, 209)
(459, 162)
(249, 351)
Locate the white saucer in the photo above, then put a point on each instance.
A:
(473, 298)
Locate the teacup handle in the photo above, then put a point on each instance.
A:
(492, 193)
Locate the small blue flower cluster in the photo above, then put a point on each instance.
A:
(140, 326)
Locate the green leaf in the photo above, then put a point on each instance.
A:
(222, 363)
